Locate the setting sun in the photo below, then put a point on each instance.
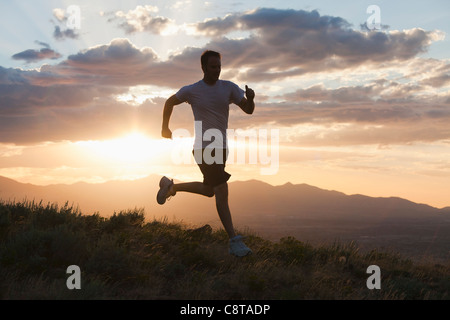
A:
(130, 149)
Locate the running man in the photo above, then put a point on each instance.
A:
(210, 99)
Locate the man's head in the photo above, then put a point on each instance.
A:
(211, 65)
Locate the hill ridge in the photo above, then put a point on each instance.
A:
(127, 256)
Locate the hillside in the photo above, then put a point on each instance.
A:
(305, 212)
(126, 256)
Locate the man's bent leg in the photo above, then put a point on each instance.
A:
(193, 187)
(221, 193)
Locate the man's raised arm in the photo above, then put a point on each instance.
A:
(248, 104)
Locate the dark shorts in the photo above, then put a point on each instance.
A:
(213, 171)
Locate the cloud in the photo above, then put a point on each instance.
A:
(378, 102)
(440, 79)
(98, 119)
(32, 55)
(382, 112)
(60, 33)
(118, 50)
(75, 99)
(12, 76)
(303, 43)
(121, 63)
(346, 95)
(142, 19)
(60, 14)
(365, 27)
(306, 42)
(36, 111)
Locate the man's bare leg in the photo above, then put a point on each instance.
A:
(221, 193)
(192, 187)
(237, 247)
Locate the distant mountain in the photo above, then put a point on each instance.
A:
(247, 198)
(310, 202)
(306, 212)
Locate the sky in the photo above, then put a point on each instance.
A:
(351, 96)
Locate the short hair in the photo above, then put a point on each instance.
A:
(206, 55)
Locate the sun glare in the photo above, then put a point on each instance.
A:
(130, 149)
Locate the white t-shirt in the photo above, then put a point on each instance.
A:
(210, 105)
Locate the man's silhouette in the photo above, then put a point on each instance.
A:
(210, 99)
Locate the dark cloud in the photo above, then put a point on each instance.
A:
(32, 55)
(305, 42)
(98, 119)
(371, 114)
(120, 63)
(118, 51)
(34, 97)
(32, 113)
(438, 81)
(271, 19)
(43, 44)
(9, 76)
(364, 27)
(381, 135)
(347, 95)
(282, 43)
(62, 34)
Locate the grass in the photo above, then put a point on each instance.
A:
(126, 257)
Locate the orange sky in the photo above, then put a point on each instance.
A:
(404, 171)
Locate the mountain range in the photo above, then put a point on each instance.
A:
(305, 212)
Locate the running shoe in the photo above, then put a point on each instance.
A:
(238, 248)
(164, 187)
